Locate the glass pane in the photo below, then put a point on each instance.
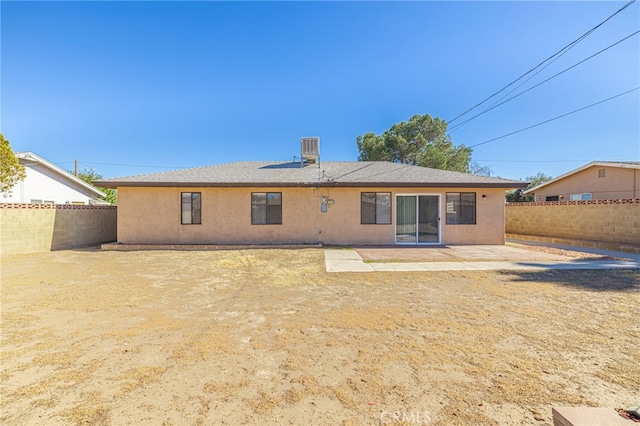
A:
(383, 207)
(468, 207)
(186, 208)
(406, 219)
(274, 198)
(368, 208)
(259, 208)
(584, 196)
(453, 207)
(196, 206)
(274, 208)
(274, 214)
(428, 219)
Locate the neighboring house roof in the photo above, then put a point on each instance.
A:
(33, 158)
(620, 164)
(329, 173)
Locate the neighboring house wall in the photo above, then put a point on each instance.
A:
(617, 184)
(604, 221)
(29, 228)
(152, 216)
(41, 183)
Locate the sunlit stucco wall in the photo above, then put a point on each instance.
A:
(152, 216)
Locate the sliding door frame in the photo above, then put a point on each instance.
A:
(397, 211)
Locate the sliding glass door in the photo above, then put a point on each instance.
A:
(417, 219)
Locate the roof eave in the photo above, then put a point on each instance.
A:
(505, 185)
(30, 156)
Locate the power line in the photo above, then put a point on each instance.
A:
(554, 118)
(456, 127)
(558, 54)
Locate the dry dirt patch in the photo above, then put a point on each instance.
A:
(268, 337)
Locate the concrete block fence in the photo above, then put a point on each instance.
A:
(29, 228)
(607, 221)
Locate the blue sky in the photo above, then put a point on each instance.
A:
(139, 87)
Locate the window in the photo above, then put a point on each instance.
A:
(48, 202)
(375, 208)
(266, 208)
(552, 198)
(581, 197)
(601, 173)
(461, 208)
(34, 201)
(191, 208)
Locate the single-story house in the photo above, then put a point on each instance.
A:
(367, 203)
(46, 183)
(598, 180)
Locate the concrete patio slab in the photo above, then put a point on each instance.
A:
(446, 266)
(342, 254)
(398, 266)
(342, 265)
(502, 266)
(451, 253)
(582, 264)
(347, 260)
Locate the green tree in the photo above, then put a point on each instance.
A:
(517, 196)
(89, 176)
(421, 141)
(11, 171)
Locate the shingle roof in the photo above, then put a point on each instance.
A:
(327, 173)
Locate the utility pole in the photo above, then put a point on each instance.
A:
(76, 168)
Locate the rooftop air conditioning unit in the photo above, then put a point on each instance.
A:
(310, 148)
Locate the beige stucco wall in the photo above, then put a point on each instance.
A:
(152, 216)
(30, 228)
(618, 184)
(614, 222)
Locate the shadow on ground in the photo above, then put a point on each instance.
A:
(587, 279)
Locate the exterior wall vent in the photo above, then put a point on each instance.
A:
(310, 148)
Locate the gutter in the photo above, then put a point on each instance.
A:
(117, 184)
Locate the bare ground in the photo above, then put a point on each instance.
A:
(269, 337)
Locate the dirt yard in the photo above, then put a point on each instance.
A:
(268, 337)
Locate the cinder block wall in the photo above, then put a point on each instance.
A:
(29, 228)
(611, 221)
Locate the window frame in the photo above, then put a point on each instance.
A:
(375, 211)
(580, 196)
(195, 212)
(266, 209)
(459, 213)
